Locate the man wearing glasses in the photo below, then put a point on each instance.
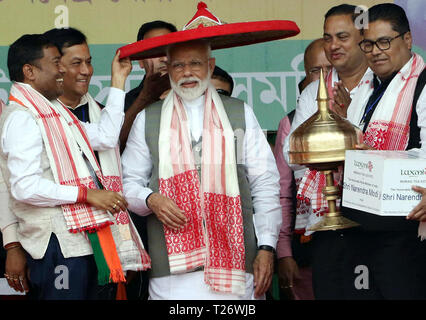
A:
(394, 118)
(314, 60)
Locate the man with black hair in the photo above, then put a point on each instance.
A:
(392, 118)
(155, 84)
(222, 81)
(349, 77)
(67, 210)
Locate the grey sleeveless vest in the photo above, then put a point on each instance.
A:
(156, 239)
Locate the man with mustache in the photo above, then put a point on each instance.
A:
(392, 118)
(56, 178)
(349, 77)
(199, 188)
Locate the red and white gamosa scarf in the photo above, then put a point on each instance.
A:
(65, 142)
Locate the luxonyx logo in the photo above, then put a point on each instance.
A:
(364, 165)
(413, 173)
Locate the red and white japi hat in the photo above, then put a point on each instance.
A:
(205, 25)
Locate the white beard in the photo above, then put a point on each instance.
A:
(190, 94)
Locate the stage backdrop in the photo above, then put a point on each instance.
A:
(266, 75)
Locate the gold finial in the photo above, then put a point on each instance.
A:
(322, 96)
(322, 88)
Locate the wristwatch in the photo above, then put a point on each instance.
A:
(267, 248)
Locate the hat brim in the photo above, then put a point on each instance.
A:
(219, 37)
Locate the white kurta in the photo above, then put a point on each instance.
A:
(262, 175)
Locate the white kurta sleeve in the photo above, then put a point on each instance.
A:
(8, 221)
(104, 134)
(22, 143)
(137, 167)
(263, 177)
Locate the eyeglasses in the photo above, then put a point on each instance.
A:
(224, 92)
(194, 65)
(382, 44)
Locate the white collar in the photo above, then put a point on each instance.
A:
(197, 102)
(82, 102)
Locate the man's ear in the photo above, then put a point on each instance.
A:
(29, 72)
(408, 39)
(212, 64)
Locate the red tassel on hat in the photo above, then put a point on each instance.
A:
(201, 5)
(202, 18)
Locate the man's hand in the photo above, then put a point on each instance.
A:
(106, 200)
(341, 99)
(167, 211)
(154, 84)
(120, 69)
(263, 270)
(16, 269)
(288, 272)
(153, 87)
(419, 211)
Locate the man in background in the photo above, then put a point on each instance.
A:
(154, 86)
(222, 81)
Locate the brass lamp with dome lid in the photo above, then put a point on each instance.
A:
(320, 143)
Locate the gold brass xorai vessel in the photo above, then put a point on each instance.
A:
(320, 143)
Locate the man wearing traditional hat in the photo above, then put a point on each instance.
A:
(211, 199)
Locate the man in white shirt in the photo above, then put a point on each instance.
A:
(392, 118)
(34, 65)
(190, 67)
(349, 76)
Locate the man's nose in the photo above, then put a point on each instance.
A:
(335, 43)
(84, 69)
(61, 68)
(187, 70)
(376, 51)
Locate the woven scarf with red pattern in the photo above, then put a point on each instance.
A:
(65, 140)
